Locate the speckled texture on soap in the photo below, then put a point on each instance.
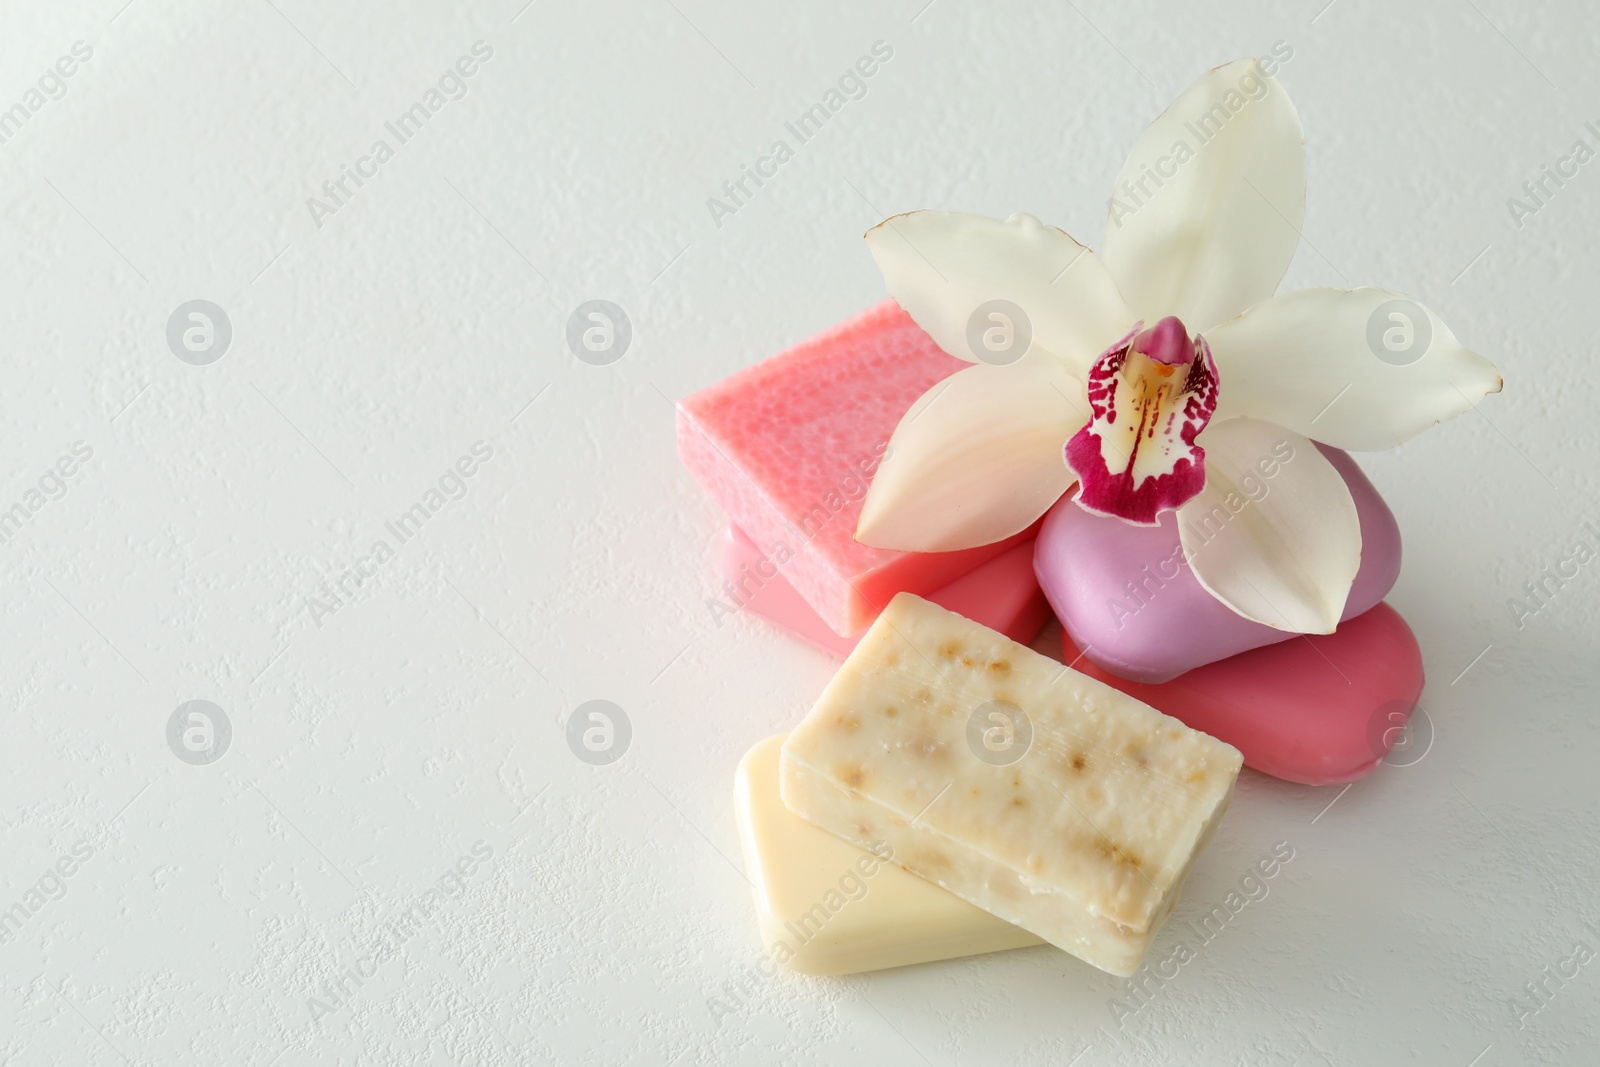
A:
(376, 741)
(1040, 794)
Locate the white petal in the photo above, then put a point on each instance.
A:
(944, 267)
(1206, 213)
(1274, 535)
(975, 460)
(1361, 369)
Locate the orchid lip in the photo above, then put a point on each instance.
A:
(1150, 395)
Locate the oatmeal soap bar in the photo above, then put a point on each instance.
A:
(1036, 793)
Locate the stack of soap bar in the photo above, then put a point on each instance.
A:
(1042, 796)
(787, 448)
(828, 907)
(1002, 594)
(1322, 710)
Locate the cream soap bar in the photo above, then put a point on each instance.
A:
(1042, 796)
(827, 907)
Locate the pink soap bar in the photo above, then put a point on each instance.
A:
(788, 447)
(1002, 594)
(1128, 598)
(1319, 709)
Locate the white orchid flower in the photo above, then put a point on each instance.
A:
(1163, 372)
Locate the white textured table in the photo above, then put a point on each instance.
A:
(399, 859)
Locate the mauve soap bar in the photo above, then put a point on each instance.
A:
(788, 447)
(1128, 599)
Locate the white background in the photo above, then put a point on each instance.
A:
(376, 746)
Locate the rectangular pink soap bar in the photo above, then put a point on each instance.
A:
(1002, 594)
(788, 447)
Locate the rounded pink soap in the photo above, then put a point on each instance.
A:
(1126, 596)
(1320, 709)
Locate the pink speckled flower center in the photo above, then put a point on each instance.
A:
(1150, 395)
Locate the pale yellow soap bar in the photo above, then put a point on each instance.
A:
(1036, 793)
(828, 907)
